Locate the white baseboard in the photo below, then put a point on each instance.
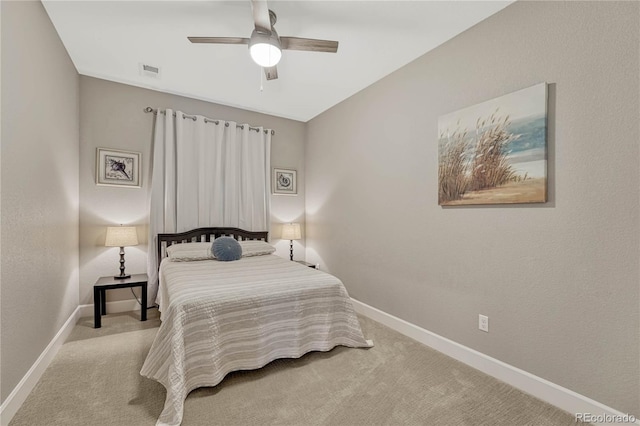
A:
(22, 390)
(19, 394)
(112, 307)
(545, 390)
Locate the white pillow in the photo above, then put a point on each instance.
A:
(256, 248)
(186, 252)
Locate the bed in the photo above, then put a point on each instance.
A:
(218, 317)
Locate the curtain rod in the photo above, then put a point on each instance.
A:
(155, 111)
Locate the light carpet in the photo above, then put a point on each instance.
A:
(94, 380)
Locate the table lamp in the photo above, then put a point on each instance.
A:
(121, 236)
(291, 231)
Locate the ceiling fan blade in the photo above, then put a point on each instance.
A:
(219, 40)
(271, 73)
(261, 15)
(297, 43)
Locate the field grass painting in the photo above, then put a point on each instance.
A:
(495, 152)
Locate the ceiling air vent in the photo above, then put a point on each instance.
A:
(149, 71)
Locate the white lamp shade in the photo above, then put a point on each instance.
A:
(265, 49)
(291, 231)
(265, 55)
(121, 236)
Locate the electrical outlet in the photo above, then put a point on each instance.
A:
(483, 322)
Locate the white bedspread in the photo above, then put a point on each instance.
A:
(219, 317)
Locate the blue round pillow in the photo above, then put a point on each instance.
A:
(226, 249)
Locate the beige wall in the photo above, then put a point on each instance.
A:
(111, 116)
(39, 185)
(560, 281)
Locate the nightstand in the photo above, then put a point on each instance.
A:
(109, 283)
(302, 262)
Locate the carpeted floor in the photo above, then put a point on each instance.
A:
(94, 380)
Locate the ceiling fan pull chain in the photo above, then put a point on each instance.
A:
(261, 79)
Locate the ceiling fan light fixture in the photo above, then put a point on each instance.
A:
(265, 49)
(265, 46)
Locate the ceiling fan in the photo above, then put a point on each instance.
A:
(265, 46)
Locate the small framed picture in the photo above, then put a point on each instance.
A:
(284, 182)
(117, 168)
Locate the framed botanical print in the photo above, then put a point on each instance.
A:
(117, 168)
(284, 182)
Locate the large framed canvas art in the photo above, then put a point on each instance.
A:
(495, 152)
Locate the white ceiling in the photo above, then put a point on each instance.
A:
(110, 39)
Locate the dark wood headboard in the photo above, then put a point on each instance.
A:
(205, 235)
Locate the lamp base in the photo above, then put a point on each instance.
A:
(121, 277)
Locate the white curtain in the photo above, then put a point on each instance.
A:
(206, 174)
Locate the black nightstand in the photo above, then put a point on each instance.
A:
(302, 262)
(108, 283)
